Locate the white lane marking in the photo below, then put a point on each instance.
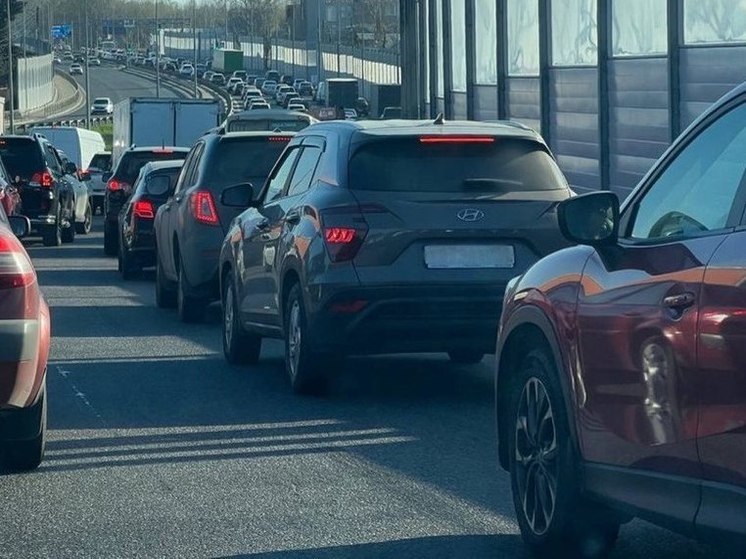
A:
(80, 394)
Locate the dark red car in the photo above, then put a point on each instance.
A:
(24, 349)
(10, 199)
(621, 377)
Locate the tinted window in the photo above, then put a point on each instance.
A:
(133, 161)
(101, 161)
(277, 182)
(22, 157)
(245, 160)
(159, 183)
(408, 165)
(268, 125)
(696, 192)
(304, 170)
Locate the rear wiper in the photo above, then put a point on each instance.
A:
(491, 184)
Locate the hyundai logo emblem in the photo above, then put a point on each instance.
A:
(470, 215)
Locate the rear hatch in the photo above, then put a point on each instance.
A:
(240, 160)
(120, 185)
(28, 171)
(443, 210)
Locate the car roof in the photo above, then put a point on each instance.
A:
(152, 166)
(398, 127)
(252, 134)
(138, 149)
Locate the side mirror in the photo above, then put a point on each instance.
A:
(239, 196)
(106, 176)
(71, 168)
(84, 176)
(591, 219)
(20, 225)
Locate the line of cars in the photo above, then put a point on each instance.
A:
(619, 331)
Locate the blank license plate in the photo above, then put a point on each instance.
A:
(469, 256)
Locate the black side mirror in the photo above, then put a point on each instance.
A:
(591, 219)
(71, 168)
(239, 196)
(20, 225)
(106, 176)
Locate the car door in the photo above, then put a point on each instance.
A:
(721, 353)
(166, 217)
(638, 316)
(260, 231)
(64, 189)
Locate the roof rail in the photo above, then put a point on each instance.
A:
(440, 119)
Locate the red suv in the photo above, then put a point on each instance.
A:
(24, 349)
(621, 377)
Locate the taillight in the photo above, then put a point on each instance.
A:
(44, 179)
(144, 209)
(279, 138)
(203, 208)
(344, 231)
(15, 267)
(114, 185)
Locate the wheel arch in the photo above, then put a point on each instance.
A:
(290, 277)
(528, 327)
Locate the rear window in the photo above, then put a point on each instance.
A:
(131, 163)
(408, 165)
(247, 159)
(169, 176)
(22, 157)
(268, 125)
(101, 161)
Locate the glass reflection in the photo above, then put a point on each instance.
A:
(574, 32)
(523, 37)
(639, 27)
(486, 34)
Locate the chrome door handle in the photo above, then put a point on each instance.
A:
(679, 302)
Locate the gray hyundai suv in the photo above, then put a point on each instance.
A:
(385, 237)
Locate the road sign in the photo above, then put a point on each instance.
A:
(61, 31)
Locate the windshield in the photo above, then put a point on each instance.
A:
(131, 162)
(21, 157)
(244, 160)
(408, 165)
(101, 161)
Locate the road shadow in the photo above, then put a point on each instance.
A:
(434, 547)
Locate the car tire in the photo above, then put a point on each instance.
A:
(188, 307)
(547, 491)
(68, 233)
(466, 356)
(85, 227)
(165, 294)
(26, 455)
(239, 346)
(52, 235)
(111, 244)
(127, 267)
(304, 367)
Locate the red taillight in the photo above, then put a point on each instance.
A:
(114, 185)
(203, 208)
(339, 235)
(457, 140)
(279, 138)
(15, 267)
(144, 209)
(44, 179)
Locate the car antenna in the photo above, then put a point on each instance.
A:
(439, 119)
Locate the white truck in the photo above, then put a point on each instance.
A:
(79, 144)
(149, 121)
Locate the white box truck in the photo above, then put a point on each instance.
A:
(149, 121)
(79, 144)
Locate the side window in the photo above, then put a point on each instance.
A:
(187, 170)
(280, 177)
(51, 158)
(696, 193)
(304, 170)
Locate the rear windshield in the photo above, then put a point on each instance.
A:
(101, 161)
(22, 157)
(166, 175)
(408, 165)
(131, 163)
(247, 159)
(268, 125)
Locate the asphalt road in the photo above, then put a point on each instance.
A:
(158, 448)
(108, 81)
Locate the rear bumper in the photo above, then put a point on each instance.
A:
(21, 343)
(42, 220)
(412, 319)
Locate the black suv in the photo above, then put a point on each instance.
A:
(384, 237)
(51, 197)
(119, 186)
(191, 225)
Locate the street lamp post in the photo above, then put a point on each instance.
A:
(87, 67)
(194, 42)
(10, 69)
(157, 53)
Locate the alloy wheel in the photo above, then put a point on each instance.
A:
(228, 317)
(294, 338)
(536, 455)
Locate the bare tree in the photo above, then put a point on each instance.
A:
(261, 18)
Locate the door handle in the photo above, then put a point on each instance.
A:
(292, 217)
(679, 302)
